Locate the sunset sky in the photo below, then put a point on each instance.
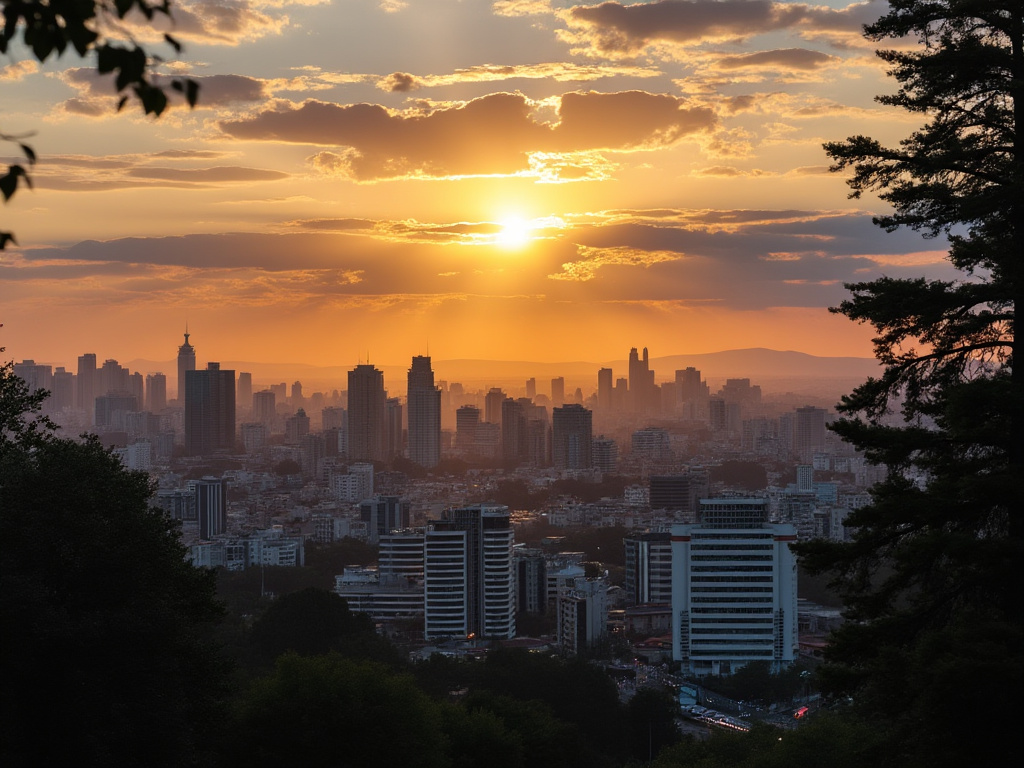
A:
(524, 180)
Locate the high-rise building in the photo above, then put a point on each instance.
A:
(514, 444)
(209, 410)
(424, 401)
(113, 379)
(264, 408)
(531, 388)
(243, 395)
(605, 454)
(558, 391)
(582, 614)
(367, 414)
(572, 434)
(604, 389)
(394, 442)
(467, 419)
(808, 431)
(156, 392)
(86, 382)
(62, 390)
(733, 589)
(468, 574)
(648, 577)
(492, 405)
(384, 514)
(186, 363)
(211, 501)
(641, 382)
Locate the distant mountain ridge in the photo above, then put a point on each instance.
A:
(758, 364)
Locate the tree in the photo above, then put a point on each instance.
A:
(106, 629)
(48, 28)
(932, 578)
(331, 711)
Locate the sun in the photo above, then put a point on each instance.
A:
(515, 232)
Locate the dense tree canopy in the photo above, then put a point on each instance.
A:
(108, 657)
(932, 579)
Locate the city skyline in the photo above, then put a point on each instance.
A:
(522, 180)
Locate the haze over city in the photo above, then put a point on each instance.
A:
(535, 181)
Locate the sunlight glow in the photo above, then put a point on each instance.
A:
(515, 232)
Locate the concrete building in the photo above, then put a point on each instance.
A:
(572, 437)
(186, 363)
(209, 410)
(733, 589)
(367, 414)
(648, 577)
(424, 403)
(582, 615)
(468, 574)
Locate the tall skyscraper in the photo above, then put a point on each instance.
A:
(186, 362)
(86, 382)
(604, 389)
(367, 414)
(515, 446)
(243, 395)
(424, 400)
(492, 405)
(469, 582)
(558, 391)
(394, 434)
(209, 410)
(156, 392)
(641, 382)
(531, 388)
(572, 433)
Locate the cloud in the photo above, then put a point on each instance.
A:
(199, 175)
(562, 72)
(592, 259)
(215, 22)
(88, 173)
(19, 70)
(785, 58)
(615, 29)
(98, 97)
(495, 134)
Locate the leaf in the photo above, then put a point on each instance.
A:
(5, 238)
(29, 152)
(9, 182)
(172, 42)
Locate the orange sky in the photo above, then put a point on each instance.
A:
(511, 180)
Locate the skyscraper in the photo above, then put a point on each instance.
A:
(424, 400)
(186, 362)
(733, 589)
(367, 414)
(492, 405)
(468, 574)
(156, 392)
(604, 389)
(558, 391)
(86, 382)
(243, 395)
(209, 410)
(572, 434)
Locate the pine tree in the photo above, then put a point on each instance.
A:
(931, 580)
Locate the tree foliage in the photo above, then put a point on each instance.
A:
(46, 29)
(932, 579)
(108, 657)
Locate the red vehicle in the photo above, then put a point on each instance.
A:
(801, 712)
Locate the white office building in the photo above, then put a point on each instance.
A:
(734, 586)
(469, 584)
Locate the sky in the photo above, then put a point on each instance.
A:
(367, 180)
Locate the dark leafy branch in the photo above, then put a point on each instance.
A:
(48, 28)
